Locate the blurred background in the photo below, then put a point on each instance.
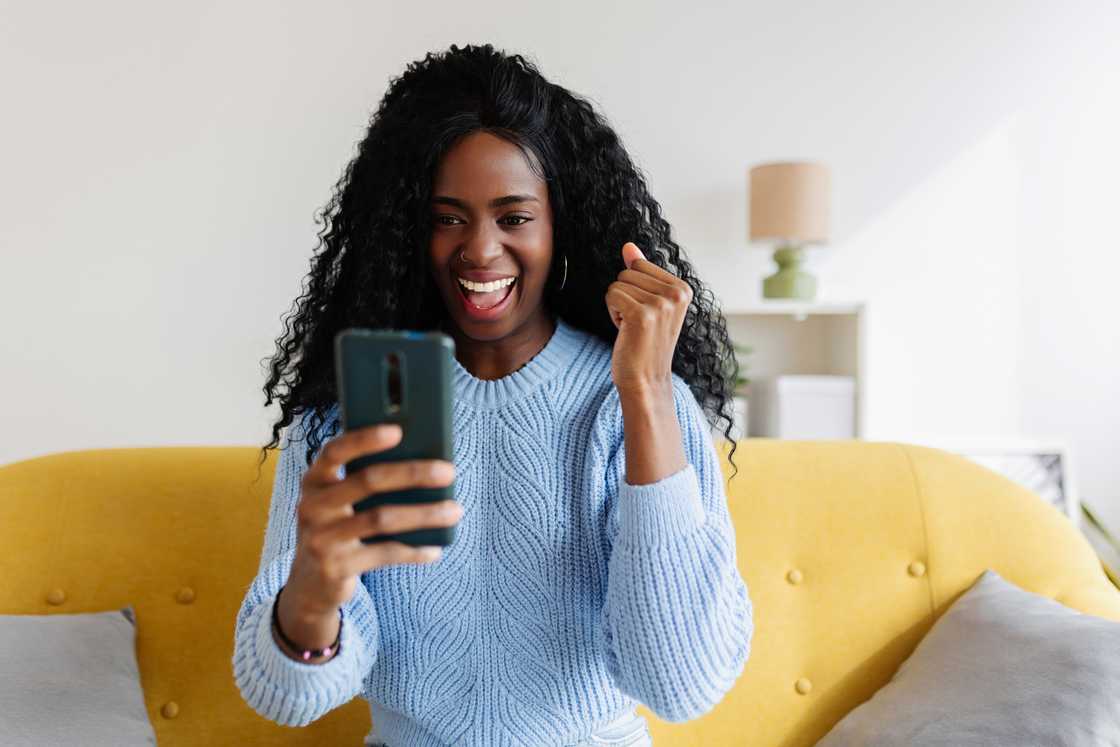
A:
(162, 165)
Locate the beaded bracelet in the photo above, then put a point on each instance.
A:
(305, 653)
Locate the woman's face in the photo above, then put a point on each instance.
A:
(491, 221)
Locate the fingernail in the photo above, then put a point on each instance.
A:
(431, 552)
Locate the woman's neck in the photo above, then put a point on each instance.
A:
(494, 359)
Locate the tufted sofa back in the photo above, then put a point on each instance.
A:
(850, 549)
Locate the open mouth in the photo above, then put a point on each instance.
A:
(484, 296)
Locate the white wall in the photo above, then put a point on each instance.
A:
(162, 166)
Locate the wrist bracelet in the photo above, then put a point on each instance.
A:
(305, 653)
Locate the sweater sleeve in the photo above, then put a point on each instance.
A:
(676, 623)
(289, 692)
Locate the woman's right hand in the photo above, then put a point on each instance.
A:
(330, 555)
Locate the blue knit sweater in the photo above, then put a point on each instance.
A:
(568, 595)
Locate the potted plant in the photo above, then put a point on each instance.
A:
(1113, 542)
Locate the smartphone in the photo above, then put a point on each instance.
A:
(405, 377)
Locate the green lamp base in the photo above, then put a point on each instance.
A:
(790, 281)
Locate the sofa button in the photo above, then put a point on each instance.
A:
(917, 568)
(794, 577)
(56, 596)
(185, 595)
(170, 709)
(803, 686)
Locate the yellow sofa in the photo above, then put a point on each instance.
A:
(851, 550)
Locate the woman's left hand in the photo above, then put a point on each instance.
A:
(647, 304)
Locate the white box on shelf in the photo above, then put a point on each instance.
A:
(740, 419)
(804, 406)
(741, 409)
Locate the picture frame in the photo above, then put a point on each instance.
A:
(1043, 466)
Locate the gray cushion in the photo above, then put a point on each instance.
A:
(1001, 666)
(71, 679)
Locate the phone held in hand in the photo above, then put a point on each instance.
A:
(405, 377)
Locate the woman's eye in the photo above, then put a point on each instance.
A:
(450, 220)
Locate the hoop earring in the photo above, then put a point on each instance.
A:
(565, 278)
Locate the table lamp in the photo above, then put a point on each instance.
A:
(789, 201)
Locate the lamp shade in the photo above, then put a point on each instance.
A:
(790, 201)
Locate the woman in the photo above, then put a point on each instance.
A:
(594, 566)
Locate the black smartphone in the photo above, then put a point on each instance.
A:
(405, 377)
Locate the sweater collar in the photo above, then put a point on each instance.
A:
(549, 361)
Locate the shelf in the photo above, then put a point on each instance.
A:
(798, 309)
(789, 336)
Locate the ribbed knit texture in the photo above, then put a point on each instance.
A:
(568, 594)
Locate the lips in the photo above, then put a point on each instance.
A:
(485, 299)
(484, 276)
(484, 307)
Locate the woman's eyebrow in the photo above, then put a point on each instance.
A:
(496, 202)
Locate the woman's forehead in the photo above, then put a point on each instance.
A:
(483, 167)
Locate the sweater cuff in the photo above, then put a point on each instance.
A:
(661, 511)
(301, 688)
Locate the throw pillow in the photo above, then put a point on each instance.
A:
(1001, 666)
(71, 679)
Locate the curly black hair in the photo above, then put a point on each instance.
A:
(370, 267)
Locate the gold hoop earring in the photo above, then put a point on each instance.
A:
(565, 277)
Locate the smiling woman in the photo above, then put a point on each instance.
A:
(491, 255)
(594, 567)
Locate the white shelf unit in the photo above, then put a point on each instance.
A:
(799, 337)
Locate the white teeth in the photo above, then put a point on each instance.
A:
(493, 285)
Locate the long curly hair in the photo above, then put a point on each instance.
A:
(370, 270)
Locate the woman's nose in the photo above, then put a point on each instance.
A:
(481, 247)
